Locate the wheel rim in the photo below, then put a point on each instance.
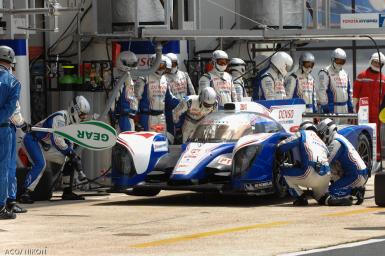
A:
(279, 181)
(363, 150)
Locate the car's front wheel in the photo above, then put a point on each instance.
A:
(280, 186)
(365, 151)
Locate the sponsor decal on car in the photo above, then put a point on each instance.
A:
(257, 186)
(225, 161)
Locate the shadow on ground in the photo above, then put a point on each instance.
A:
(366, 228)
(200, 200)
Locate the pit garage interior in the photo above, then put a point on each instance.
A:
(66, 48)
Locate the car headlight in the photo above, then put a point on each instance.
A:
(244, 158)
(122, 161)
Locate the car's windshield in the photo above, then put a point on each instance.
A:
(230, 127)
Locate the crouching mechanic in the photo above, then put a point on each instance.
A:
(313, 170)
(43, 146)
(345, 156)
(193, 109)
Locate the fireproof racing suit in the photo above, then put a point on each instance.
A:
(43, 146)
(222, 84)
(240, 89)
(17, 121)
(354, 170)
(368, 85)
(151, 93)
(314, 170)
(9, 95)
(302, 85)
(127, 106)
(180, 84)
(271, 86)
(335, 92)
(192, 111)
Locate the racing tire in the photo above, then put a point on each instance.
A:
(379, 189)
(43, 190)
(144, 192)
(279, 183)
(365, 151)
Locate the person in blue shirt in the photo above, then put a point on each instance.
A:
(16, 122)
(9, 95)
(43, 146)
(126, 105)
(343, 155)
(312, 170)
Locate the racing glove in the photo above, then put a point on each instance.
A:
(26, 127)
(71, 155)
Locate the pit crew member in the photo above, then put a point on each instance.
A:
(193, 109)
(354, 172)
(312, 170)
(219, 79)
(301, 83)
(43, 146)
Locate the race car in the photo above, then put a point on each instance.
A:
(231, 151)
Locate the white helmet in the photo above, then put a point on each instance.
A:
(238, 66)
(7, 54)
(208, 97)
(162, 65)
(168, 64)
(282, 61)
(307, 125)
(338, 54)
(174, 60)
(223, 58)
(376, 57)
(79, 109)
(127, 60)
(326, 130)
(306, 57)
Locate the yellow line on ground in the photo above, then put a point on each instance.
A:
(352, 212)
(210, 233)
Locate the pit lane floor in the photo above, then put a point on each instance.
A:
(184, 223)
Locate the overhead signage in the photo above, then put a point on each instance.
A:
(362, 20)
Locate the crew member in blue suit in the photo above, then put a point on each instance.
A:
(16, 121)
(42, 146)
(127, 103)
(9, 95)
(312, 171)
(344, 156)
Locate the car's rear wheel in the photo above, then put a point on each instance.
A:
(365, 151)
